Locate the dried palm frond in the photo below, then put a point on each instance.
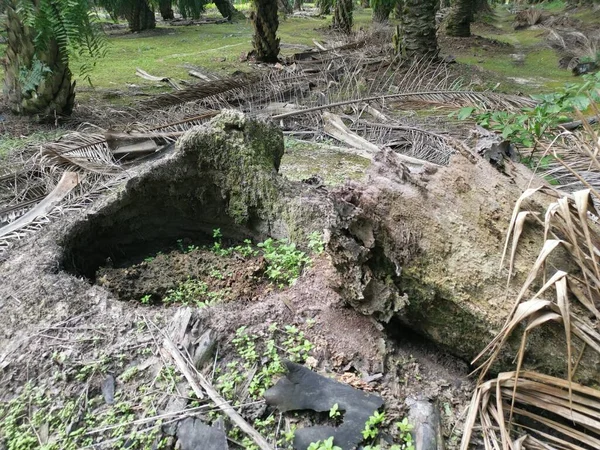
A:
(531, 410)
(86, 191)
(80, 151)
(66, 184)
(409, 140)
(570, 162)
(200, 91)
(486, 100)
(524, 409)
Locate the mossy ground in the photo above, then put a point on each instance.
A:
(303, 159)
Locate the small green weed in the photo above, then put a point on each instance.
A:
(284, 261)
(372, 425)
(315, 242)
(145, 300)
(252, 349)
(334, 412)
(529, 125)
(194, 292)
(404, 436)
(327, 444)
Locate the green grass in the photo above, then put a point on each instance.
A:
(10, 143)
(215, 47)
(540, 68)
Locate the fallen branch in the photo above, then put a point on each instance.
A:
(334, 127)
(66, 184)
(145, 75)
(432, 96)
(235, 417)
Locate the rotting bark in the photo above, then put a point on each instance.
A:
(416, 251)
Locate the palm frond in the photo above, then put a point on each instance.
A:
(547, 412)
(80, 151)
(200, 91)
(487, 100)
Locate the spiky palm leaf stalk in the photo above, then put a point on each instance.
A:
(398, 7)
(382, 10)
(460, 18)
(166, 9)
(41, 37)
(418, 28)
(342, 16)
(265, 22)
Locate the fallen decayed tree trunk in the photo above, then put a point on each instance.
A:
(419, 251)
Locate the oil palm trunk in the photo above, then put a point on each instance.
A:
(227, 10)
(265, 22)
(166, 9)
(382, 10)
(37, 81)
(324, 7)
(460, 18)
(139, 15)
(342, 16)
(418, 28)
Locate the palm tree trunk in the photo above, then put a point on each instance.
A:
(166, 9)
(36, 82)
(140, 16)
(227, 10)
(460, 18)
(342, 16)
(418, 28)
(325, 7)
(265, 22)
(382, 10)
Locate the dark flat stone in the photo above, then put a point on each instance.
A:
(302, 389)
(193, 434)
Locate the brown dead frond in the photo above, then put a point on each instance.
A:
(524, 409)
(531, 410)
